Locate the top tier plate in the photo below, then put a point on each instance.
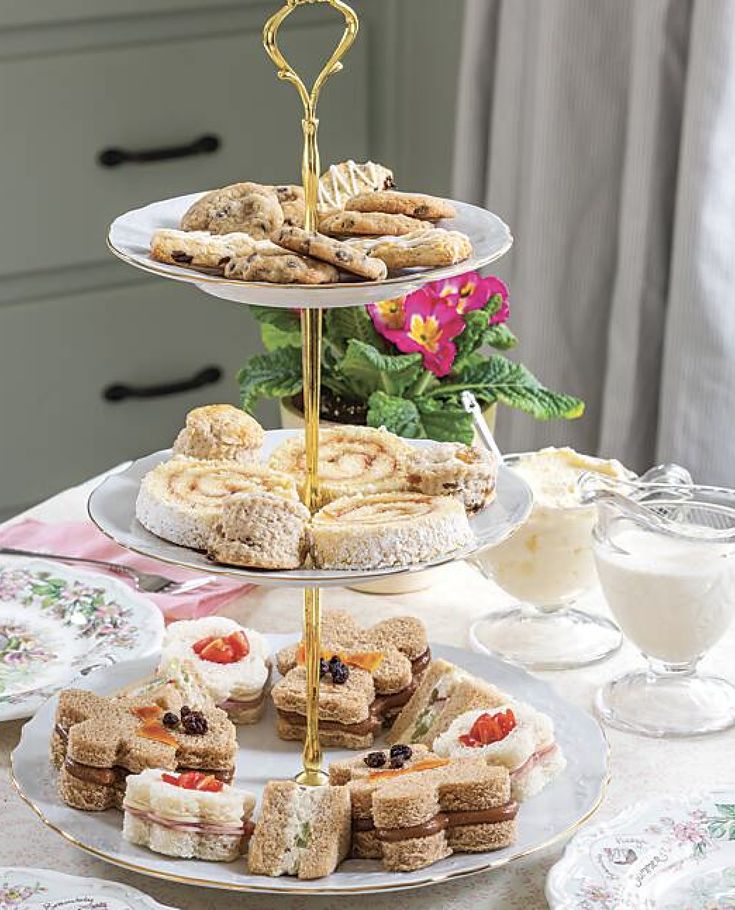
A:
(130, 236)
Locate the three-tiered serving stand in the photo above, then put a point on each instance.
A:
(129, 239)
(559, 811)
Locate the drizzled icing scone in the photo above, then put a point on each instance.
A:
(387, 529)
(341, 181)
(199, 249)
(220, 432)
(181, 500)
(260, 530)
(435, 248)
(453, 469)
(351, 460)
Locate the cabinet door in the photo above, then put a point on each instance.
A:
(61, 111)
(58, 356)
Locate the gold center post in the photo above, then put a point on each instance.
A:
(311, 341)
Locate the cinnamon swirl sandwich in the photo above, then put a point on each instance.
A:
(387, 529)
(220, 432)
(452, 469)
(181, 500)
(351, 460)
(261, 531)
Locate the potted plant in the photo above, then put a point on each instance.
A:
(403, 363)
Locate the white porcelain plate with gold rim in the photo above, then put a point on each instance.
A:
(555, 813)
(130, 238)
(112, 508)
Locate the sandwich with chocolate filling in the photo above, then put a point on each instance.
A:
(367, 675)
(190, 815)
(360, 774)
(445, 692)
(426, 807)
(513, 735)
(99, 740)
(230, 662)
(301, 831)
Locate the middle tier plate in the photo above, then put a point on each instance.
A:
(112, 508)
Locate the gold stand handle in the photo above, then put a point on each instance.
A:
(311, 334)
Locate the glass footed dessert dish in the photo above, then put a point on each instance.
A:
(548, 565)
(667, 569)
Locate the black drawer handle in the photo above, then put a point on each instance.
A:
(204, 145)
(120, 392)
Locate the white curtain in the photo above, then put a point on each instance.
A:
(603, 132)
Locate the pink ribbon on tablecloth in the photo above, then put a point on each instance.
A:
(82, 538)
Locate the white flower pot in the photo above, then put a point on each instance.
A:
(293, 419)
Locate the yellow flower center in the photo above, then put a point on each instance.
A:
(391, 312)
(426, 332)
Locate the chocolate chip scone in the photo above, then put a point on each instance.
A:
(199, 249)
(341, 181)
(291, 197)
(421, 248)
(248, 207)
(327, 249)
(415, 205)
(285, 268)
(371, 224)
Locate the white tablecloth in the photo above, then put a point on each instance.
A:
(640, 767)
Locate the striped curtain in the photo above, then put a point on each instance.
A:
(603, 132)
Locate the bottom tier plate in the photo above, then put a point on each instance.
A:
(549, 817)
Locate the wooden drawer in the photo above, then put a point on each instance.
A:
(60, 112)
(57, 356)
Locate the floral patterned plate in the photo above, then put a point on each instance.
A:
(57, 623)
(43, 889)
(669, 853)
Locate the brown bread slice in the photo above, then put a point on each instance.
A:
(301, 831)
(445, 692)
(97, 740)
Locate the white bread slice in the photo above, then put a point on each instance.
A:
(185, 823)
(240, 681)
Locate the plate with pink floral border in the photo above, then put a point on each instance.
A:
(667, 853)
(57, 624)
(44, 889)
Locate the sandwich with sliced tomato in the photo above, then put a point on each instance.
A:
(191, 815)
(514, 735)
(230, 663)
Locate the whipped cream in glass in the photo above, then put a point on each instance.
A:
(548, 564)
(549, 560)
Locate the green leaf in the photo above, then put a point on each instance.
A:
(500, 379)
(279, 327)
(368, 370)
(445, 422)
(343, 324)
(726, 809)
(274, 337)
(399, 415)
(276, 374)
(500, 337)
(420, 419)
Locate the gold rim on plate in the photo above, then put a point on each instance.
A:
(420, 277)
(363, 889)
